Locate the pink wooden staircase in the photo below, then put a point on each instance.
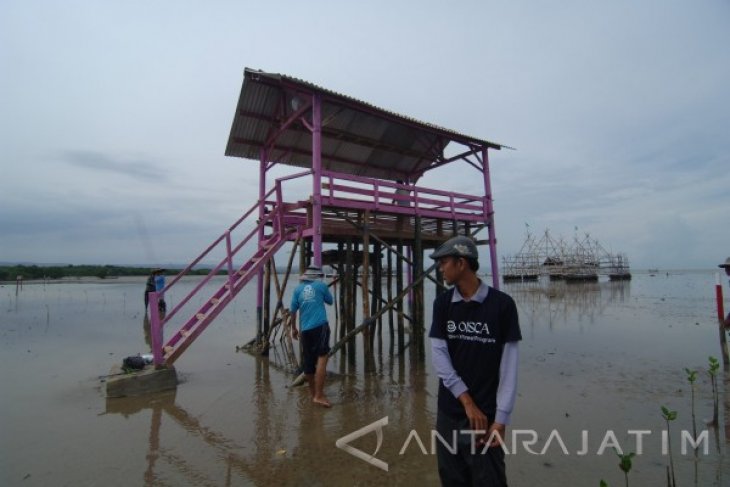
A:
(195, 325)
(177, 342)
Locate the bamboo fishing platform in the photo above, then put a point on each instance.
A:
(581, 260)
(356, 206)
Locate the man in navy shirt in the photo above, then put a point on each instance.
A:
(309, 299)
(726, 266)
(474, 337)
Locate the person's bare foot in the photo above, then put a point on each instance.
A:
(322, 401)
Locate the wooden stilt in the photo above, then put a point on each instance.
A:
(399, 288)
(365, 276)
(419, 324)
(280, 313)
(368, 322)
(349, 292)
(377, 286)
(352, 349)
(302, 257)
(340, 282)
(390, 298)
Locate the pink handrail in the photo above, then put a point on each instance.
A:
(229, 256)
(275, 217)
(419, 199)
(200, 257)
(214, 271)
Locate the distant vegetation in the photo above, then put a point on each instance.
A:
(10, 273)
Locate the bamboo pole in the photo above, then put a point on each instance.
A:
(280, 292)
(377, 286)
(380, 300)
(343, 287)
(386, 244)
(347, 287)
(390, 297)
(418, 312)
(399, 288)
(302, 258)
(369, 321)
(365, 276)
(352, 352)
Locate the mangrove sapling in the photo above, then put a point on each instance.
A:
(691, 378)
(625, 464)
(668, 416)
(712, 371)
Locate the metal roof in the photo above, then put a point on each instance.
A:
(357, 137)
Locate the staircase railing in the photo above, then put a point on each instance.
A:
(273, 216)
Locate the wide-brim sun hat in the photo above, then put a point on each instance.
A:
(312, 273)
(726, 264)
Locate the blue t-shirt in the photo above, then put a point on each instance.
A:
(159, 283)
(309, 298)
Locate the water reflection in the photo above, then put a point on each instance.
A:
(288, 437)
(557, 302)
(244, 426)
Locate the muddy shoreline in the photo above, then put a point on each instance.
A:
(594, 358)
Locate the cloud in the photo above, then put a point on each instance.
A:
(142, 170)
(618, 112)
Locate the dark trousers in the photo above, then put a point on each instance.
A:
(464, 468)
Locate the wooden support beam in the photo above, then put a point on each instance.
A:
(371, 320)
(418, 312)
(399, 288)
(390, 297)
(365, 277)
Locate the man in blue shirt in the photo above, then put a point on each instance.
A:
(474, 337)
(309, 299)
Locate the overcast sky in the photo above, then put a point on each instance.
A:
(114, 115)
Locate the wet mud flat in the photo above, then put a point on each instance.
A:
(597, 361)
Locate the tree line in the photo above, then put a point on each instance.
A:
(10, 273)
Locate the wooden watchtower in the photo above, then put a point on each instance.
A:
(362, 164)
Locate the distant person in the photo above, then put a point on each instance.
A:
(155, 282)
(403, 195)
(726, 266)
(474, 336)
(309, 299)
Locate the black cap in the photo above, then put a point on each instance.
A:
(457, 247)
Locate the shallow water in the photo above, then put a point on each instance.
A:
(598, 358)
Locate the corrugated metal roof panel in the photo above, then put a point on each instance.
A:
(357, 137)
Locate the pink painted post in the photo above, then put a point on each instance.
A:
(490, 218)
(718, 297)
(155, 329)
(260, 274)
(317, 179)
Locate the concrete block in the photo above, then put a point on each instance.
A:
(139, 383)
